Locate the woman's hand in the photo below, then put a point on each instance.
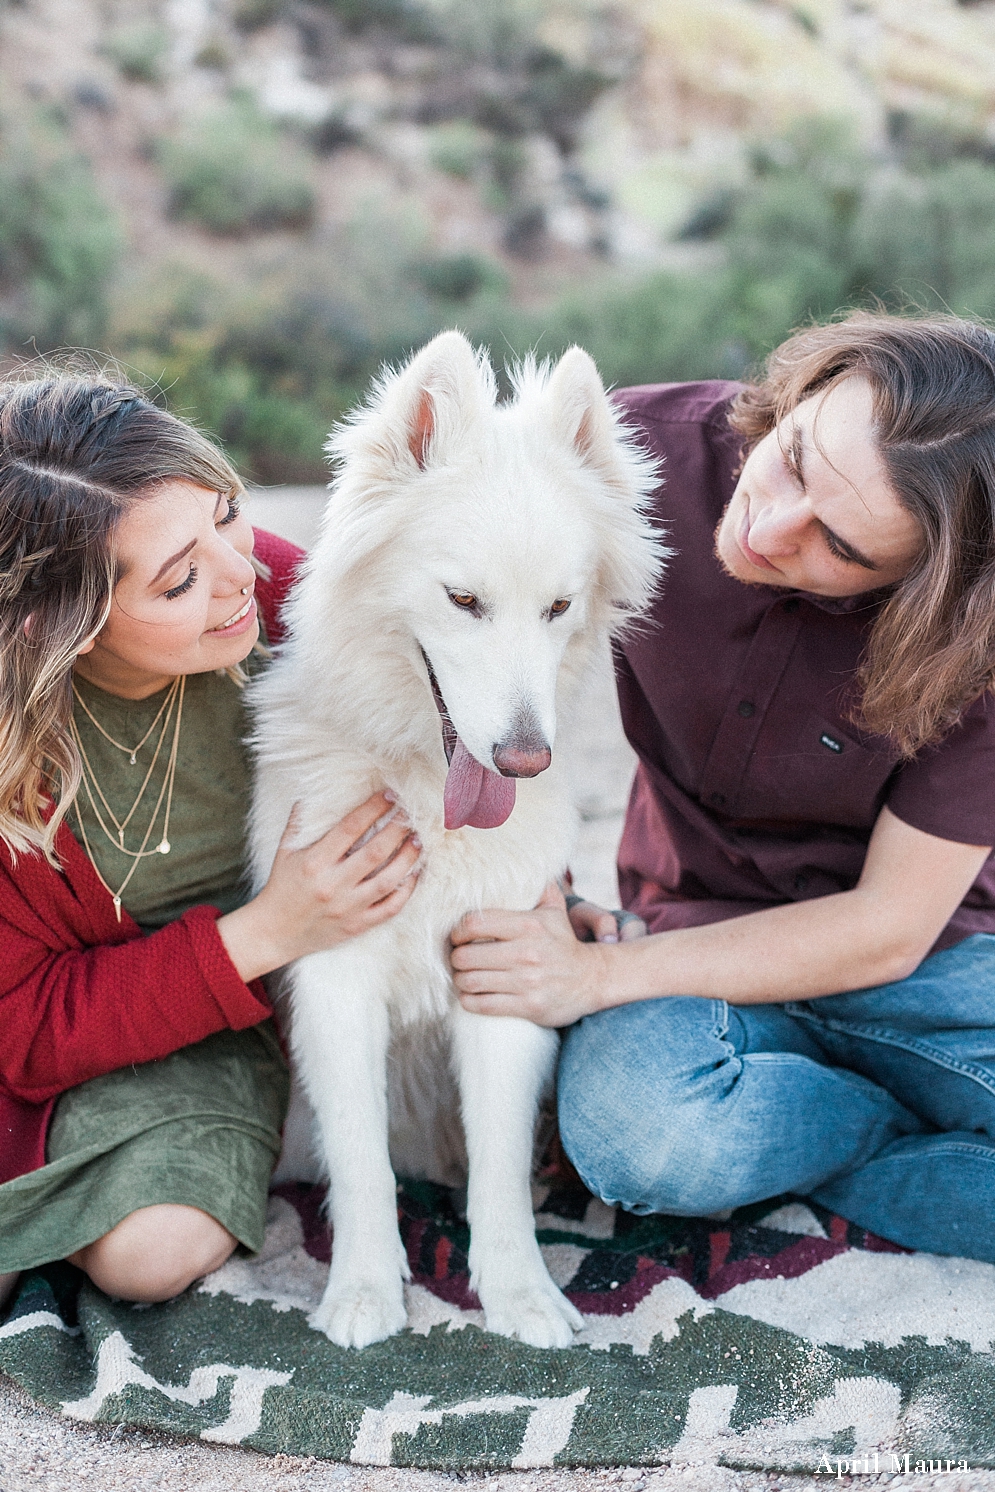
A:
(334, 889)
(531, 964)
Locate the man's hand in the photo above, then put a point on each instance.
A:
(592, 924)
(529, 964)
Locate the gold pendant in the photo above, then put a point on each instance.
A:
(164, 848)
(132, 758)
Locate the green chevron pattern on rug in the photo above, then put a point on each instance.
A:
(777, 1338)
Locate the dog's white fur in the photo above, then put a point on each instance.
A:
(519, 504)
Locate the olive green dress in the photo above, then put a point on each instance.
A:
(201, 1127)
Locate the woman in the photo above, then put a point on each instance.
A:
(142, 1086)
(809, 831)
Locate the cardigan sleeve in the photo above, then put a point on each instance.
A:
(282, 561)
(82, 993)
(71, 1014)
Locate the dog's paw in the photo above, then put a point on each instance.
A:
(356, 1313)
(533, 1313)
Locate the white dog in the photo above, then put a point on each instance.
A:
(473, 559)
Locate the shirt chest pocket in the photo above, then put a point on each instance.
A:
(813, 771)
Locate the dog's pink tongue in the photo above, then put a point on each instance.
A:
(475, 796)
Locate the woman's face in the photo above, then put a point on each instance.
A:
(183, 603)
(813, 509)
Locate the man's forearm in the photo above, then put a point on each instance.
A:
(794, 952)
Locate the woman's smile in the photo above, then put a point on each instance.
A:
(241, 621)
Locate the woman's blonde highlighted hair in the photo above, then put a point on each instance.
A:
(76, 451)
(931, 651)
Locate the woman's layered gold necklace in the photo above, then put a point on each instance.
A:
(172, 706)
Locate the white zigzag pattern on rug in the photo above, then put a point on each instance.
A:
(117, 1369)
(869, 1406)
(546, 1432)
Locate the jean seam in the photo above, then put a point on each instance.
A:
(720, 1020)
(955, 1147)
(885, 1037)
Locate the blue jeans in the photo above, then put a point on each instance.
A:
(879, 1104)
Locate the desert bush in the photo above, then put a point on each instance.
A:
(930, 236)
(249, 15)
(232, 171)
(458, 147)
(406, 20)
(58, 240)
(138, 50)
(458, 278)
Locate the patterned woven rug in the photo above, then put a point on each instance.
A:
(781, 1338)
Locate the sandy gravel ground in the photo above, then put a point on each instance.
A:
(42, 1453)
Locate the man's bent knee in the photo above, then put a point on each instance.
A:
(641, 1106)
(156, 1253)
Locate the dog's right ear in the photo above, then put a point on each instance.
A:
(425, 411)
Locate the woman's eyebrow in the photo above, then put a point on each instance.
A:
(850, 551)
(175, 558)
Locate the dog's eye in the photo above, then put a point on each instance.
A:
(464, 600)
(560, 606)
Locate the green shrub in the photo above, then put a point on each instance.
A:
(406, 19)
(932, 236)
(138, 51)
(249, 15)
(59, 242)
(458, 277)
(233, 172)
(213, 54)
(458, 147)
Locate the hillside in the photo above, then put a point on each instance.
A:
(253, 201)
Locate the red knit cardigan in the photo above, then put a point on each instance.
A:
(82, 994)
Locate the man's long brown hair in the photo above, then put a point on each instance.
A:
(931, 651)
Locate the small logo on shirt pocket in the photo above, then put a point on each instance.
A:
(831, 743)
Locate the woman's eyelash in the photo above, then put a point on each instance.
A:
(178, 590)
(185, 585)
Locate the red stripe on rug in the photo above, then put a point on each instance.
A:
(791, 1262)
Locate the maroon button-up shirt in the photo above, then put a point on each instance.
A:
(754, 786)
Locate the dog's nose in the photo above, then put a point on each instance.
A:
(512, 762)
(524, 752)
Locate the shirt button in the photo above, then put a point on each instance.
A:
(801, 883)
(719, 799)
(746, 708)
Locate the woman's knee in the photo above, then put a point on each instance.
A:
(156, 1252)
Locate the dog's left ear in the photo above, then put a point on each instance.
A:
(583, 417)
